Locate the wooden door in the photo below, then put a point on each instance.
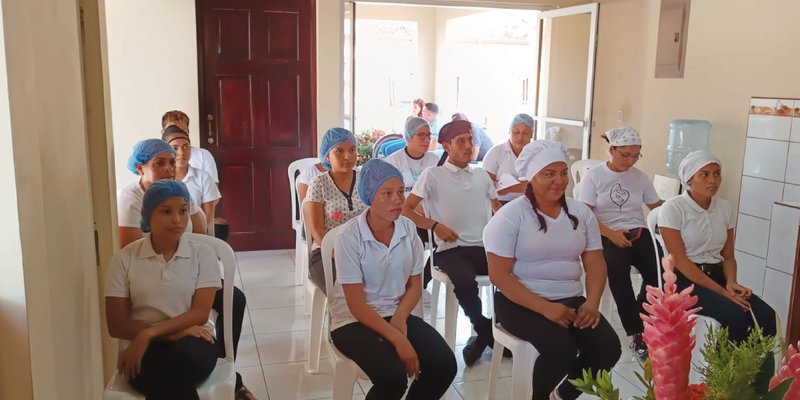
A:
(257, 107)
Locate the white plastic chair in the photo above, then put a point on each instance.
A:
(655, 236)
(450, 303)
(579, 168)
(317, 310)
(525, 355)
(221, 384)
(301, 263)
(666, 186)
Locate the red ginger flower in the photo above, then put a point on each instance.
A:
(790, 368)
(668, 334)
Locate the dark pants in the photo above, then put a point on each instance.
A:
(379, 360)
(173, 370)
(726, 312)
(462, 265)
(316, 272)
(426, 273)
(562, 351)
(619, 261)
(239, 303)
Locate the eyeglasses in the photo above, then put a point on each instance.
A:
(630, 156)
(425, 136)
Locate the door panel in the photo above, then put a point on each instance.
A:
(257, 96)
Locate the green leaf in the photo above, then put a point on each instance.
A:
(778, 392)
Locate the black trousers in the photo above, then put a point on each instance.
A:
(239, 303)
(562, 351)
(462, 265)
(173, 370)
(426, 272)
(316, 272)
(728, 314)
(619, 261)
(379, 360)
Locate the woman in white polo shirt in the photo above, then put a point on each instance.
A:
(379, 262)
(616, 191)
(159, 291)
(698, 230)
(499, 161)
(535, 245)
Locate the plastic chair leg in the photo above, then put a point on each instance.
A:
(308, 298)
(315, 333)
(435, 285)
(299, 259)
(522, 375)
(343, 381)
(494, 369)
(450, 317)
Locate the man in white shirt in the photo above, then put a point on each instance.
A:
(459, 200)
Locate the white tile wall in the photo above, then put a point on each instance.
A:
(751, 235)
(758, 195)
(791, 192)
(750, 271)
(765, 158)
(769, 127)
(783, 238)
(779, 293)
(793, 164)
(795, 137)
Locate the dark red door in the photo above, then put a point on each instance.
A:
(257, 107)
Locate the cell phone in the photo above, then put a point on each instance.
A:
(634, 234)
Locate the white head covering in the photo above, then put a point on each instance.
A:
(537, 155)
(625, 136)
(693, 162)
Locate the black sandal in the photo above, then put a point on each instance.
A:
(244, 394)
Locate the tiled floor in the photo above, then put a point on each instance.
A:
(272, 351)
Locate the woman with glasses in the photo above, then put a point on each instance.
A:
(615, 191)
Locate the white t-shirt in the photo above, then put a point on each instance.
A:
(307, 175)
(548, 264)
(411, 168)
(204, 161)
(129, 206)
(202, 188)
(459, 198)
(617, 197)
(383, 271)
(500, 161)
(159, 290)
(336, 206)
(704, 232)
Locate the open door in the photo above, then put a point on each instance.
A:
(566, 76)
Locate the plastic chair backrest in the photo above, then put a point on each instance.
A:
(390, 146)
(652, 226)
(579, 168)
(666, 186)
(383, 139)
(293, 171)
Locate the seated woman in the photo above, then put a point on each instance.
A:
(698, 230)
(159, 291)
(305, 178)
(332, 198)
(379, 262)
(616, 191)
(500, 160)
(534, 246)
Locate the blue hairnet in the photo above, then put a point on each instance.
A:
(333, 137)
(156, 194)
(413, 124)
(522, 118)
(373, 174)
(145, 150)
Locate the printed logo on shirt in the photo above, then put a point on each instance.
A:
(414, 174)
(619, 196)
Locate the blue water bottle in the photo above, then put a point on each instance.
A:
(685, 136)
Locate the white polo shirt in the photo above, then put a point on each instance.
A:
(411, 168)
(459, 198)
(500, 161)
(704, 232)
(548, 264)
(383, 270)
(617, 197)
(202, 188)
(204, 161)
(129, 206)
(159, 290)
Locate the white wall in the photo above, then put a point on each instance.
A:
(152, 59)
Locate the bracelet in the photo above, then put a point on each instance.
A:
(433, 227)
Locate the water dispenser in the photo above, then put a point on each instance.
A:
(685, 136)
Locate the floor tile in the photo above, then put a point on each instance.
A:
(247, 354)
(253, 378)
(291, 382)
(284, 347)
(274, 297)
(286, 319)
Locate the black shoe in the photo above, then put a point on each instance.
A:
(474, 349)
(506, 352)
(639, 347)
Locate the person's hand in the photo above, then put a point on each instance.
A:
(130, 360)
(587, 317)
(445, 233)
(560, 314)
(399, 324)
(738, 300)
(408, 356)
(193, 331)
(618, 238)
(738, 290)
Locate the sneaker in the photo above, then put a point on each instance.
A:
(474, 349)
(639, 347)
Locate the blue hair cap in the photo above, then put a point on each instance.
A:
(413, 124)
(373, 174)
(522, 118)
(146, 149)
(156, 194)
(333, 137)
